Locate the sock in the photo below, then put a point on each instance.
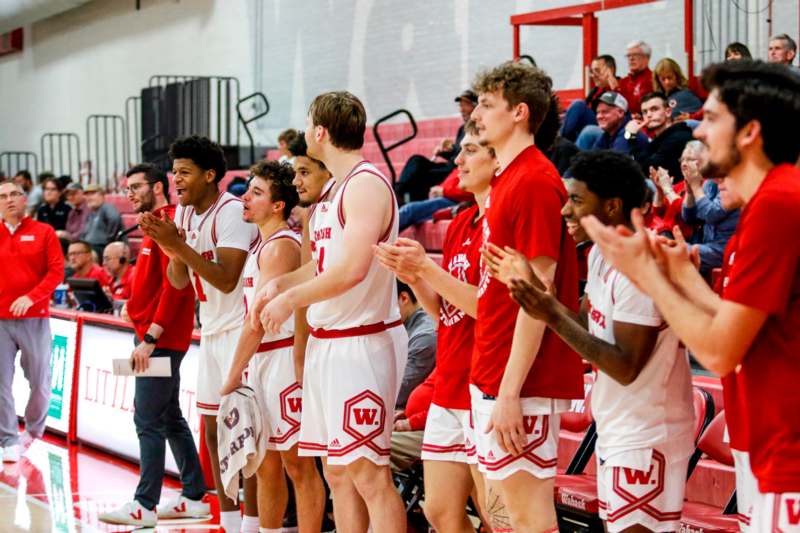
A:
(249, 524)
(231, 521)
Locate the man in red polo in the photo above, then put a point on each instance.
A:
(31, 266)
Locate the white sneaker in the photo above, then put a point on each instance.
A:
(130, 514)
(26, 439)
(183, 507)
(11, 454)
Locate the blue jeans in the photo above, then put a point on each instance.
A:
(588, 137)
(416, 212)
(158, 419)
(578, 116)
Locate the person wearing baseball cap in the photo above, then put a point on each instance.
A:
(612, 116)
(420, 173)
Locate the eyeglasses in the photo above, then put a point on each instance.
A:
(13, 195)
(136, 186)
(109, 258)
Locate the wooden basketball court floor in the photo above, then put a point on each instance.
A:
(56, 488)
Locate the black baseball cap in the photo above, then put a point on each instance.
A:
(469, 95)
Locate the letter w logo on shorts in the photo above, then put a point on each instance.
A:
(793, 511)
(295, 404)
(365, 416)
(638, 477)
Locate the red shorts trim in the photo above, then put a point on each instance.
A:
(274, 345)
(433, 448)
(207, 405)
(357, 331)
(312, 446)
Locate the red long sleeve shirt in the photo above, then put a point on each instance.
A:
(153, 299)
(31, 264)
(452, 191)
(419, 402)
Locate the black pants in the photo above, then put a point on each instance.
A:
(419, 175)
(159, 420)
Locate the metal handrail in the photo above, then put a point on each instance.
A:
(133, 119)
(118, 149)
(528, 58)
(245, 123)
(386, 149)
(55, 141)
(19, 156)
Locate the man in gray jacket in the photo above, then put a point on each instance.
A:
(104, 221)
(421, 342)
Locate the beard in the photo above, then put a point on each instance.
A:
(720, 169)
(148, 201)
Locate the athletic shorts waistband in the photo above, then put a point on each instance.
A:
(357, 331)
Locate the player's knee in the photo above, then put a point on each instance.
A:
(371, 480)
(336, 477)
(270, 468)
(441, 513)
(299, 469)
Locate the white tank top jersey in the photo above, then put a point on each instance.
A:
(372, 301)
(221, 226)
(251, 273)
(656, 408)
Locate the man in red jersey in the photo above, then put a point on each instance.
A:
(451, 295)
(750, 334)
(162, 317)
(31, 266)
(522, 376)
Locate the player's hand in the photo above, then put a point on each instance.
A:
(628, 252)
(537, 301)
(231, 384)
(399, 415)
(140, 358)
(20, 306)
(506, 264)
(506, 422)
(275, 313)
(676, 257)
(163, 231)
(406, 257)
(263, 297)
(402, 425)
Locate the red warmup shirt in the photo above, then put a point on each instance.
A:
(765, 275)
(524, 212)
(455, 339)
(153, 299)
(99, 273)
(31, 264)
(634, 86)
(451, 189)
(121, 290)
(419, 402)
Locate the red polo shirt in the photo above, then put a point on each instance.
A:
(121, 288)
(32, 264)
(99, 273)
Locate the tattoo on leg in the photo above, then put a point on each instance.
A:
(496, 509)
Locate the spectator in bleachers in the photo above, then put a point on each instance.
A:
(639, 80)
(53, 210)
(33, 193)
(420, 173)
(31, 266)
(76, 220)
(82, 264)
(703, 204)
(285, 139)
(448, 194)
(668, 138)
(668, 78)
(581, 113)
(558, 150)
(737, 50)
(409, 425)
(782, 49)
(117, 262)
(104, 221)
(612, 118)
(421, 342)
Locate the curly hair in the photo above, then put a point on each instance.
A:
(765, 92)
(204, 152)
(519, 84)
(280, 177)
(610, 174)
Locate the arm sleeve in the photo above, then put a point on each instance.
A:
(55, 268)
(231, 231)
(172, 301)
(689, 214)
(767, 255)
(631, 305)
(709, 208)
(417, 420)
(421, 360)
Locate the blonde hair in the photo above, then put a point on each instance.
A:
(673, 66)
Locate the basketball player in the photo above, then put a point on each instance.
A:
(451, 294)
(268, 202)
(211, 259)
(522, 375)
(750, 334)
(358, 347)
(642, 398)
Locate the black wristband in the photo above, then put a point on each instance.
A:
(149, 339)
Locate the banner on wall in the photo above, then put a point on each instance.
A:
(62, 365)
(105, 401)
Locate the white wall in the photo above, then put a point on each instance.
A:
(413, 53)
